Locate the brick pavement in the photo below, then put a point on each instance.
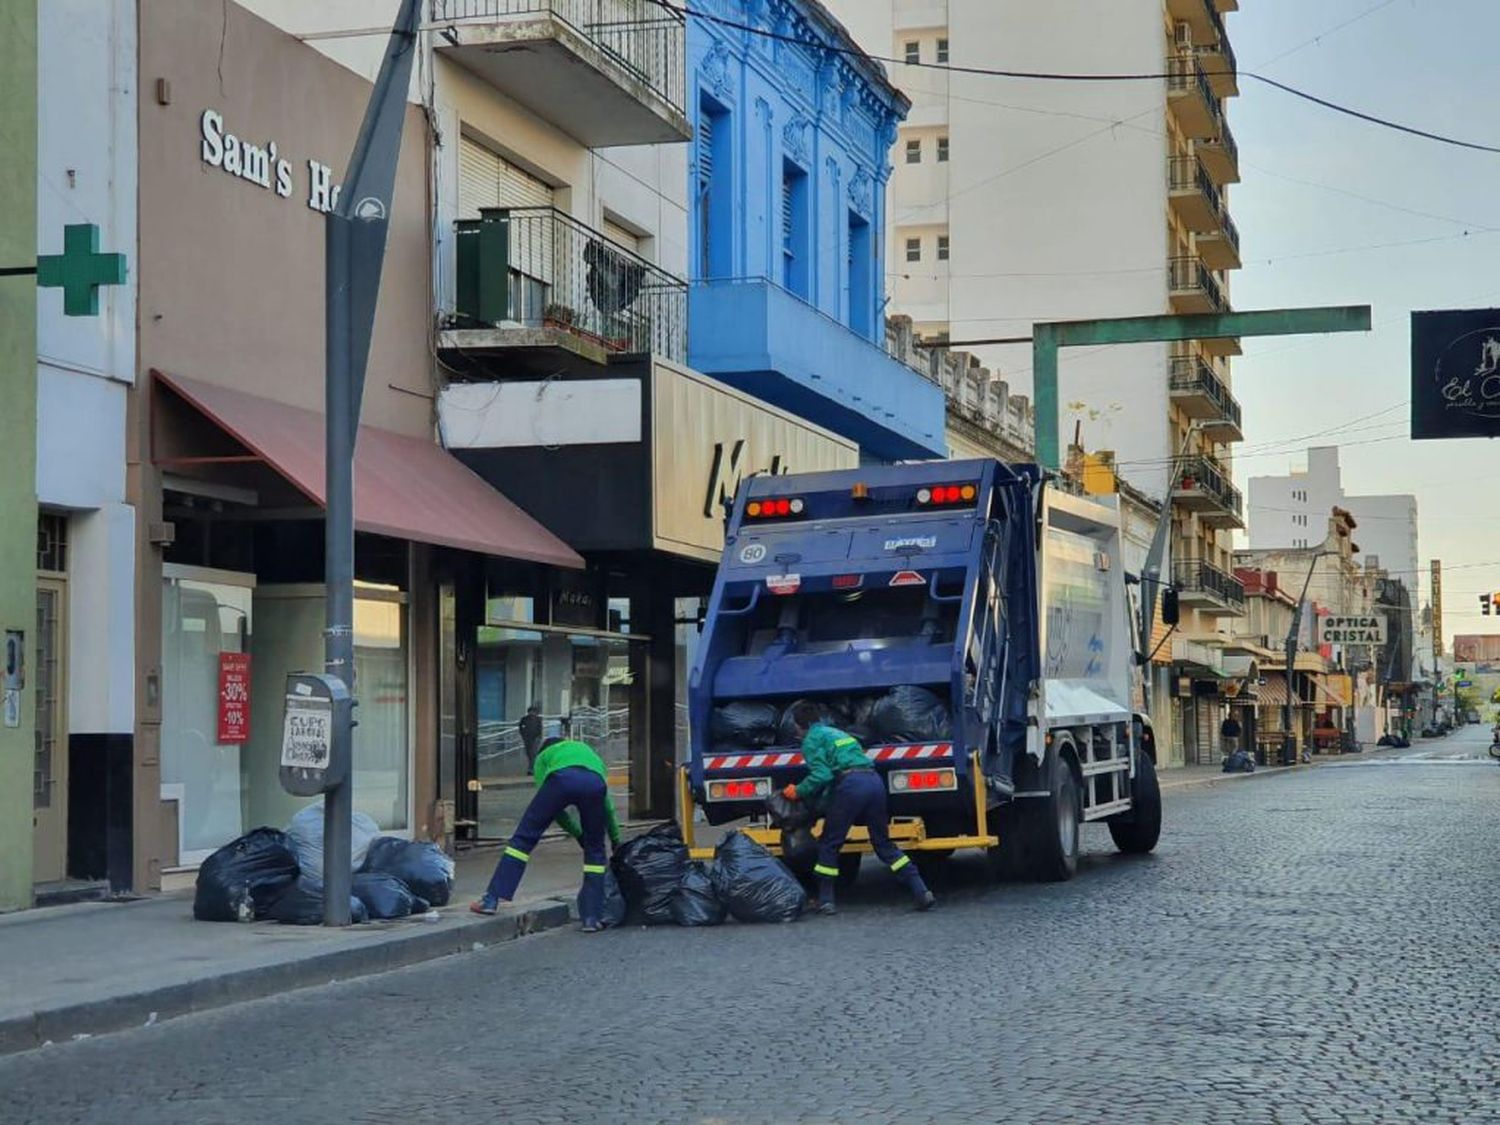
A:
(1316, 948)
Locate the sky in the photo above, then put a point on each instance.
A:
(1333, 211)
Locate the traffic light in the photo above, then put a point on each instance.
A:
(1484, 604)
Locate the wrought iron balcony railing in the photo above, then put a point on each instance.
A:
(646, 39)
(1204, 475)
(1194, 577)
(537, 267)
(1192, 375)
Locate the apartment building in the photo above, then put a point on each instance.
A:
(1017, 201)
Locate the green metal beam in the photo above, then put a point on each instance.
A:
(1049, 339)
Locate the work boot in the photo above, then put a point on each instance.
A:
(921, 897)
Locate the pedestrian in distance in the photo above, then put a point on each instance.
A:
(1229, 734)
(530, 727)
(841, 777)
(567, 773)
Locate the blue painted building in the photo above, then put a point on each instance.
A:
(787, 250)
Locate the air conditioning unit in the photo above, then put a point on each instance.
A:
(1183, 37)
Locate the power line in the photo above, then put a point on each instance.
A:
(1318, 38)
(1059, 76)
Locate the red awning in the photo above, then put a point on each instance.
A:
(404, 487)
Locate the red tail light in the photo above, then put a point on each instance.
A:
(774, 507)
(913, 781)
(947, 494)
(740, 789)
(847, 581)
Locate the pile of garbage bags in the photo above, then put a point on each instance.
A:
(1239, 762)
(271, 875)
(903, 714)
(656, 884)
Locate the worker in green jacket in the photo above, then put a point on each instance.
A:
(837, 769)
(567, 773)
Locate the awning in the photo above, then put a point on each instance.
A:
(1272, 693)
(404, 487)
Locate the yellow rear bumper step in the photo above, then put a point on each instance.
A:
(909, 832)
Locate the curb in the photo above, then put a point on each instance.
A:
(1231, 778)
(143, 1009)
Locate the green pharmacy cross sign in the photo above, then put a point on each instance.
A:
(78, 271)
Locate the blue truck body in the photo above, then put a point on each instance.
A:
(976, 581)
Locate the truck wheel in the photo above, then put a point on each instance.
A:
(1136, 832)
(1043, 836)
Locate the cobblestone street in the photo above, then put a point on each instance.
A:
(1315, 946)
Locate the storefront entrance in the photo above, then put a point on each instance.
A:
(583, 685)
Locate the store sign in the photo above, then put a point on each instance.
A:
(234, 697)
(262, 164)
(1455, 374)
(706, 440)
(1357, 629)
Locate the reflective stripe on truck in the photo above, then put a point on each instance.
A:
(932, 751)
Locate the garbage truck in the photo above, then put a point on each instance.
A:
(968, 621)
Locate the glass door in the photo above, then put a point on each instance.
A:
(581, 685)
(204, 613)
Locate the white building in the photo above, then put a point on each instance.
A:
(1017, 201)
(1292, 511)
(87, 103)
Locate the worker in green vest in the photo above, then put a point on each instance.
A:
(567, 772)
(838, 769)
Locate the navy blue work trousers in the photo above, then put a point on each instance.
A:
(584, 790)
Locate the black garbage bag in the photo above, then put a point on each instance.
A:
(422, 866)
(832, 711)
(386, 896)
(744, 724)
(754, 884)
(695, 902)
(1239, 762)
(786, 813)
(649, 868)
(301, 904)
(240, 881)
(799, 850)
(614, 910)
(909, 714)
(860, 708)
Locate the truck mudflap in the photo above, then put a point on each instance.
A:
(908, 832)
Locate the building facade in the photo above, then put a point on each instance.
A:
(1057, 201)
(1346, 692)
(26, 790)
(1289, 511)
(790, 160)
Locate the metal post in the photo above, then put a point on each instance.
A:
(1044, 386)
(341, 417)
(1288, 740)
(354, 252)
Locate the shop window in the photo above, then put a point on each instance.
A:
(584, 687)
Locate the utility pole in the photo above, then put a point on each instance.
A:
(1288, 740)
(355, 235)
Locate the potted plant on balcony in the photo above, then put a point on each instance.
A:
(558, 316)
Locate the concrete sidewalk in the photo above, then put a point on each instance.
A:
(73, 971)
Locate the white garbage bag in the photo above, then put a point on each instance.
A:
(306, 831)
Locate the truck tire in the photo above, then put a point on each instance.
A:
(1043, 831)
(1137, 831)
